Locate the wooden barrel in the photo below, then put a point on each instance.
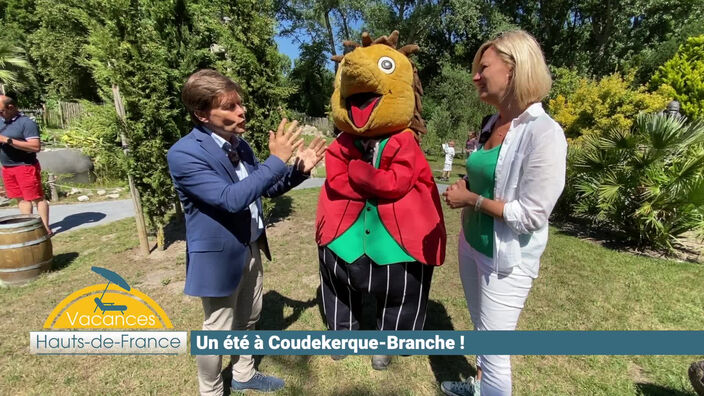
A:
(25, 249)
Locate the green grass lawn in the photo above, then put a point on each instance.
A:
(582, 286)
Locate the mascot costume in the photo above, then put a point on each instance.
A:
(379, 225)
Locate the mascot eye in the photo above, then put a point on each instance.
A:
(387, 65)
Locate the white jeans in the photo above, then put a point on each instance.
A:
(495, 301)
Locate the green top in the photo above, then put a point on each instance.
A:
(479, 227)
(369, 236)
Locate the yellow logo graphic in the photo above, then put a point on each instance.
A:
(112, 305)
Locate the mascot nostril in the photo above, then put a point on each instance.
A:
(380, 228)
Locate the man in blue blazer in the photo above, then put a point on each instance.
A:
(220, 184)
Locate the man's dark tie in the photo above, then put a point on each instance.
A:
(233, 156)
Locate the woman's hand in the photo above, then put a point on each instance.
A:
(458, 196)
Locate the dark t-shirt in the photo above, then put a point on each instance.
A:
(19, 128)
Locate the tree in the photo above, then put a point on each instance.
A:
(652, 57)
(321, 21)
(313, 81)
(683, 75)
(57, 48)
(601, 37)
(148, 48)
(17, 18)
(126, 48)
(453, 107)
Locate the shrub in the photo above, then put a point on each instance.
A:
(684, 75)
(596, 106)
(96, 134)
(564, 82)
(646, 182)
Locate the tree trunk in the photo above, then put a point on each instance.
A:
(345, 26)
(160, 237)
(136, 201)
(331, 35)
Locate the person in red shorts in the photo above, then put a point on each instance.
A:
(19, 144)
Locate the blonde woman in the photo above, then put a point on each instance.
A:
(513, 181)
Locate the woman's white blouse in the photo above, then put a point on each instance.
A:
(530, 176)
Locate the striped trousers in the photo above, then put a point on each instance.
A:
(401, 292)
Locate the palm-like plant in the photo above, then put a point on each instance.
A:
(12, 60)
(647, 182)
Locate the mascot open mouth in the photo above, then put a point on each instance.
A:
(360, 107)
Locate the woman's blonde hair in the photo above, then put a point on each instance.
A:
(531, 80)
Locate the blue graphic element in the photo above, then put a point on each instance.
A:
(447, 342)
(112, 277)
(108, 306)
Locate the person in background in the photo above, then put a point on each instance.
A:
(471, 144)
(513, 182)
(449, 150)
(21, 173)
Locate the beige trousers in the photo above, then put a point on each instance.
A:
(238, 311)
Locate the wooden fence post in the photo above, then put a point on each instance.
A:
(52, 188)
(61, 115)
(44, 116)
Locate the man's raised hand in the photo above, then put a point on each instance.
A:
(285, 141)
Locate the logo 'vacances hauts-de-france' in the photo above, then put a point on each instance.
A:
(114, 305)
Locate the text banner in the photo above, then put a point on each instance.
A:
(447, 342)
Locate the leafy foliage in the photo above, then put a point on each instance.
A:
(452, 108)
(597, 106)
(57, 48)
(684, 75)
(565, 81)
(646, 182)
(647, 62)
(600, 38)
(96, 134)
(12, 60)
(148, 48)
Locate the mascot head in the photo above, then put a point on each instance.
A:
(377, 89)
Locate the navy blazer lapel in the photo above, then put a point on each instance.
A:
(207, 142)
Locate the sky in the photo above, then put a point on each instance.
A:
(290, 48)
(287, 46)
